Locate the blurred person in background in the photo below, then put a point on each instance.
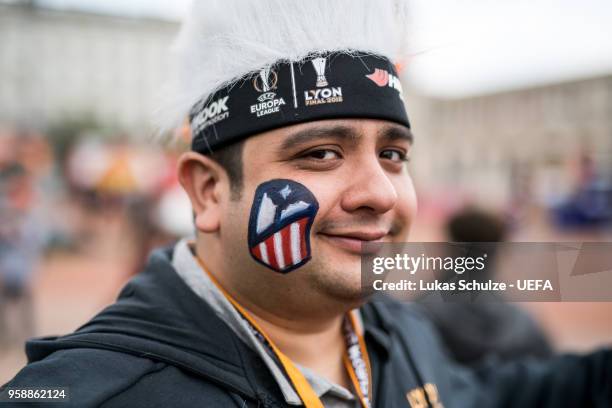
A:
(161, 217)
(117, 187)
(590, 203)
(491, 329)
(21, 245)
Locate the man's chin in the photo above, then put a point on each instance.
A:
(352, 298)
(336, 273)
(341, 284)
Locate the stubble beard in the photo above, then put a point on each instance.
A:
(341, 286)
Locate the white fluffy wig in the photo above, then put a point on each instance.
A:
(223, 40)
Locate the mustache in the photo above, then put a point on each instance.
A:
(361, 222)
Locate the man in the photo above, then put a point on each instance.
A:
(473, 331)
(299, 143)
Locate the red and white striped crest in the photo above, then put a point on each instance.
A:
(279, 227)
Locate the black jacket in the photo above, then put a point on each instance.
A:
(160, 345)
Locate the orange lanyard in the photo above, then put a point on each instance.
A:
(355, 358)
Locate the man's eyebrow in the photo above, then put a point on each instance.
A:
(307, 135)
(396, 133)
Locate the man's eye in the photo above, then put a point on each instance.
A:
(394, 155)
(322, 154)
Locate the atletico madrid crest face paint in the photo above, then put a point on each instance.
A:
(279, 224)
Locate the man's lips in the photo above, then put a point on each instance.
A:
(352, 241)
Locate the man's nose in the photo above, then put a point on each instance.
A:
(369, 187)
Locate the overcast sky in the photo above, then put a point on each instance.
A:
(466, 47)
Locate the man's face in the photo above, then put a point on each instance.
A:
(356, 169)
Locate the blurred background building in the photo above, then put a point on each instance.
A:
(489, 140)
(545, 148)
(58, 64)
(79, 82)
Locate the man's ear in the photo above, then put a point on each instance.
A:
(203, 180)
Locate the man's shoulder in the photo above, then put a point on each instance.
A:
(98, 377)
(389, 311)
(91, 376)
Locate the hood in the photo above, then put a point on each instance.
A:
(157, 316)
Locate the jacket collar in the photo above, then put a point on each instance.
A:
(158, 315)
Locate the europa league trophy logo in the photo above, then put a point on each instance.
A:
(319, 66)
(268, 80)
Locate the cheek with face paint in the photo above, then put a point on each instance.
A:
(279, 224)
